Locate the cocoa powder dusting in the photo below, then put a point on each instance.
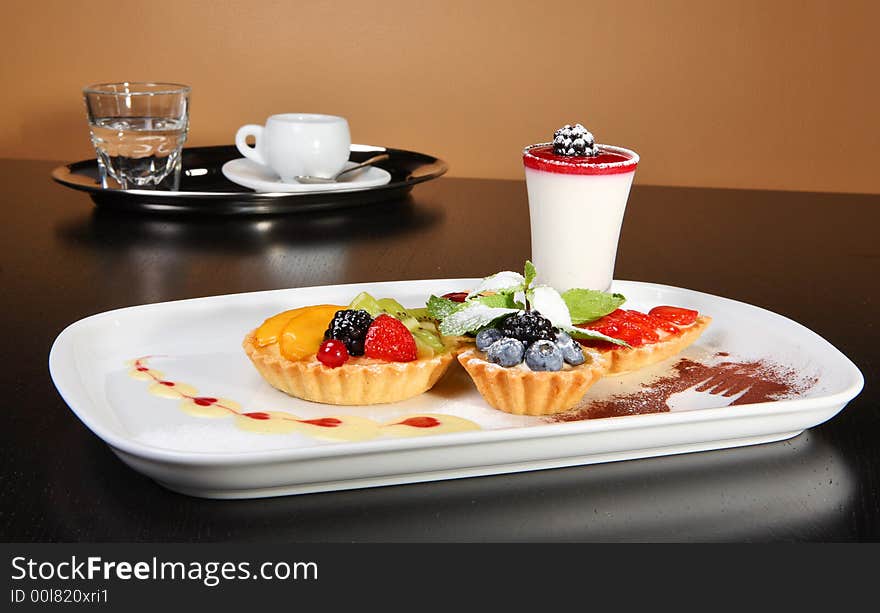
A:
(757, 381)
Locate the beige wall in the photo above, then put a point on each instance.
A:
(770, 94)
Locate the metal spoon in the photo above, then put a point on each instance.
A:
(333, 179)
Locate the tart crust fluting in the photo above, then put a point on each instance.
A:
(360, 381)
(524, 392)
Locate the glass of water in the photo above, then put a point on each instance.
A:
(138, 130)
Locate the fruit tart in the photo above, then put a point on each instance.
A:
(524, 359)
(369, 352)
(651, 337)
(537, 352)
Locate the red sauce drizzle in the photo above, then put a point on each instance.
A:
(204, 401)
(422, 421)
(324, 422)
(257, 415)
(167, 383)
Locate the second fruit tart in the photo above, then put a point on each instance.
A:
(527, 367)
(371, 352)
(661, 333)
(537, 352)
(525, 360)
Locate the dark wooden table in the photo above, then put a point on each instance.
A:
(811, 257)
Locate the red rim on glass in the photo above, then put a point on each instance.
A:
(610, 161)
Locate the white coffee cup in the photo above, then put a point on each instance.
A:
(298, 144)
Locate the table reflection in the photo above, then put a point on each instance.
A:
(189, 257)
(725, 495)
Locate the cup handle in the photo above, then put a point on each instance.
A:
(254, 153)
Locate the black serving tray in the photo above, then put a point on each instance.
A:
(208, 192)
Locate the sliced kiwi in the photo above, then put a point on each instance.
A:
(395, 309)
(390, 305)
(421, 314)
(423, 350)
(367, 303)
(428, 339)
(430, 326)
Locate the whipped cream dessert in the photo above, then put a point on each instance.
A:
(577, 197)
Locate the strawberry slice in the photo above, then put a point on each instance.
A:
(615, 315)
(677, 315)
(388, 339)
(635, 334)
(651, 323)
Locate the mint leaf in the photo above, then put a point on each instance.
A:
(501, 282)
(441, 308)
(549, 304)
(496, 300)
(473, 317)
(589, 304)
(530, 273)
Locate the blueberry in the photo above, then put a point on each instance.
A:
(487, 337)
(506, 352)
(571, 350)
(544, 355)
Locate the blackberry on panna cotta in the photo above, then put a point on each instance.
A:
(350, 326)
(574, 140)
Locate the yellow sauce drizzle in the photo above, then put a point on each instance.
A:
(347, 428)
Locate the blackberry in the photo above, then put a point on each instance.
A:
(350, 327)
(528, 327)
(574, 140)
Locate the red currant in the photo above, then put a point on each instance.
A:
(332, 353)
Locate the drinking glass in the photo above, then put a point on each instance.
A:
(138, 131)
(576, 207)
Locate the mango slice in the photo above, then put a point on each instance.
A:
(304, 331)
(267, 333)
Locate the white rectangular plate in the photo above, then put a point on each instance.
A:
(198, 343)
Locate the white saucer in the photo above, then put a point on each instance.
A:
(259, 178)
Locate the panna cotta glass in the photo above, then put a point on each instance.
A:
(576, 207)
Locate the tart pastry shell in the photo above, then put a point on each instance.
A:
(360, 381)
(524, 392)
